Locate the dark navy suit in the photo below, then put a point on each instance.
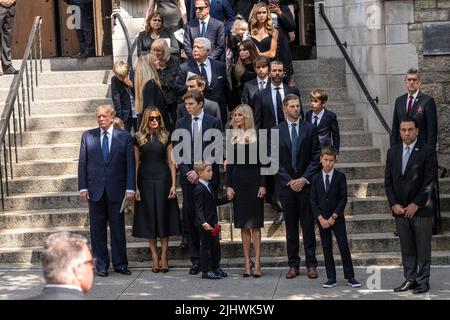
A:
(221, 10)
(106, 182)
(297, 205)
(122, 101)
(328, 129)
(188, 211)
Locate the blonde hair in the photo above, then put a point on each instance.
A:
(161, 45)
(106, 107)
(238, 25)
(248, 132)
(268, 24)
(121, 68)
(118, 124)
(201, 166)
(145, 71)
(145, 132)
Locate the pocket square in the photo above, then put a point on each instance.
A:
(220, 77)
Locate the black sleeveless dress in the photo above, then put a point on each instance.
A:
(155, 216)
(246, 179)
(264, 45)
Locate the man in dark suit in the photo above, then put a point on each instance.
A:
(205, 26)
(68, 266)
(268, 113)
(324, 120)
(299, 152)
(252, 87)
(105, 176)
(197, 82)
(411, 172)
(7, 14)
(214, 72)
(420, 106)
(221, 10)
(85, 31)
(195, 124)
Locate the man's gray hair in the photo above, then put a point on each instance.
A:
(62, 251)
(204, 42)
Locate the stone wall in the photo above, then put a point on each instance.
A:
(384, 39)
(435, 70)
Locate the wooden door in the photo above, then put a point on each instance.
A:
(25, 13)
(69, 41)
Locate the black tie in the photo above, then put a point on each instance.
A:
(316, 118)
(327, 182)
(280, 113)
(203, 32)
(204, 74)
(294, 142)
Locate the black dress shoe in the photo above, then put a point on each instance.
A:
(10, 70)
(102, 273)
(195, 269)
(421, 288)
(407, 285)
(210, 275)
(124, 271)
(221, 273)
(77, 56)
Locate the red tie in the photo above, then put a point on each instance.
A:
(410, 104)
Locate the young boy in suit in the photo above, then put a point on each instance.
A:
(324, 120)
(328, 201)
(207, 222)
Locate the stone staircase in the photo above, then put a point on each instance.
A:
(44, 198)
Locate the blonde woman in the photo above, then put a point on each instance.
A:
(263, 33)
(148, 89)
(157, 214)
(246, 185)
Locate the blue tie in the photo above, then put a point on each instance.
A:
(105, 146)
(294, 142)
(203, 33)
(327, 183)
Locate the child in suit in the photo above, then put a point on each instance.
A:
(328, 201)
(324, 120)
(207, 222)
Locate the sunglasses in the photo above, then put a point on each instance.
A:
(157, 118)
(200, 8)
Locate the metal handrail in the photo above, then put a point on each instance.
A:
(13, 103)
(114, 16)
(371, 100)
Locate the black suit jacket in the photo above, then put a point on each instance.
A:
(251, 88)
(214, 33)
(326, 203)
(328, 129)
(55, 293)
(210, 107)
(417, 183)
(206, 205)
(208, 122)
(153, 96)
(308, 154)
(424, 111)
(263, 107)
(121, 98)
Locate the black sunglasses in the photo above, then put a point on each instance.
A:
(157, 118)
(200, 8)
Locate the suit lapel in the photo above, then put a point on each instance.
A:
(416, 103)
(97, 143)
(403, 106)
(412, 156)
(301, 133)
(213, 79)
(284, 133)
(114, 143)
(398, 155)
(269, 97)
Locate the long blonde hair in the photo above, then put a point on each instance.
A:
(145, 133)
(145, 71)
(254, 21)
(248, 133)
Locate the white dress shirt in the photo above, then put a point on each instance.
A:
(110, 135)
(266, 80)
(319, 116)
(206, 20)
(274, 97)
(290, 126)
(199, 122)
(330, 176)
(207, 64)
(414, 99)
(411, 148)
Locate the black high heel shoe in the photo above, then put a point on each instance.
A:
(155, 270)
(164, 270)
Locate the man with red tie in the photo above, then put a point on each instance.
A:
(418, 105)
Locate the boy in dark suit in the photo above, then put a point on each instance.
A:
(324, 120)
(122, 94)
(328, 200)
(207, 221)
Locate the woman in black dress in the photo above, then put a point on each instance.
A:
(167, 66)
(246, 185)
(154, 29)
(263, 33)
(244, 70)
(157, 214)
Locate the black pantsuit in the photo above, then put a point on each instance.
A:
(209, 250)
(6, 27)
(297, 208)
(188, 221)
(100, 213)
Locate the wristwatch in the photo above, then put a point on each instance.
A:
(334, 217)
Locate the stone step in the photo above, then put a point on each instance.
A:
(71, 151)
(322, 81)
(66, 91)
(70, 199)
(334, 94)
(320, 66)
(56, 167)
(70, 64)
(48, 78)
(71, 106)
(358, 243)
(341, 108)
